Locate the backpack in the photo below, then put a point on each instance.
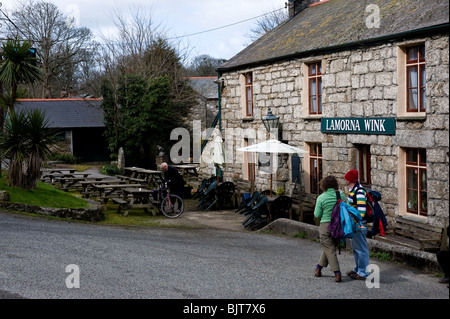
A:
(334, 226)
(370, 203)
(374, 212)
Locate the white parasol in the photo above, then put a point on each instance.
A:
(218, 157)
(274, 147)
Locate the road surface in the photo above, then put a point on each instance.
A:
(53, 259)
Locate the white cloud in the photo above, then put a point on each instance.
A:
(181, 18)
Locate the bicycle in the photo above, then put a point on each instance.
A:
(172, 206)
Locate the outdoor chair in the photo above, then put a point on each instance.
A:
(247, 205)
(201, 190)
(225, 194)
(209, 197)
(280, 207)
(267, 192)
(258, 214)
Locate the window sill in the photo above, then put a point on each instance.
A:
(414, 218)
(313, 117)
(415, 117)
(248, 119)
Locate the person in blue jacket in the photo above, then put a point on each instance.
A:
(359, 241)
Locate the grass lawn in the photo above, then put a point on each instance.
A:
(44, 195)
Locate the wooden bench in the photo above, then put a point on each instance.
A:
(121, 202)
(431, 238)
(439, 238)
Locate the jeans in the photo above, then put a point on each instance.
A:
(360, 252)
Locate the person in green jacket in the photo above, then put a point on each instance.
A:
(323, 209)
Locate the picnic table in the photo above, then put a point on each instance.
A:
(187, 169)
(135, 197)
(51, 176)
(66, 183)
(58, 170)
(189, 173)
(140, 175)
(88, 189)
(66, 177)
(107, 191)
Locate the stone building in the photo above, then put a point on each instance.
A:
(80, 124)
(206, 108)
(357, 85)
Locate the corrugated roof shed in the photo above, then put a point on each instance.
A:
(342, 23)
(67, 113)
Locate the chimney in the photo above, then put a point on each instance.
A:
(295, 6)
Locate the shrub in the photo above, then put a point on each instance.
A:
(110, 169)
(66, 158)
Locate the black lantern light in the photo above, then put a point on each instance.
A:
(271, 121)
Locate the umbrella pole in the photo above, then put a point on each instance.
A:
(270, 184)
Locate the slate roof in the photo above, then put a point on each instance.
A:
(335, 24)
(67, 113)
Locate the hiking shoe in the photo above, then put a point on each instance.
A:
(351, 272)
(357, 277)
(338, 277)
(443, 280)
(317, 272)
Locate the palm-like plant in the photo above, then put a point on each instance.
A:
(26, 141)
(17, 66)
(12, 144)
(40, 139)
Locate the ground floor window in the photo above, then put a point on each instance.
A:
(315, 159)
(416, 181)
(249, 163)
(363, 164)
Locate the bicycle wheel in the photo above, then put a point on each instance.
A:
(173, 208)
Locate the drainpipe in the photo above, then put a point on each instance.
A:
(219, 81)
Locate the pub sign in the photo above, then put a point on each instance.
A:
(372, 125)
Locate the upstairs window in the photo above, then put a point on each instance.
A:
(315, 88)
(249, 94)
(415, 78)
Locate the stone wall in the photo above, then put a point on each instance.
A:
(94, 213)
(356, 83)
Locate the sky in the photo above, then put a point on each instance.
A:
(179, 18)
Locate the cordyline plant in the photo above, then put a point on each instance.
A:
(17, 66)
(26, 142)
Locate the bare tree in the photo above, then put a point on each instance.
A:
(61, 45)
(204, 65)
(140, 47)
(134, 39)
(267, 23)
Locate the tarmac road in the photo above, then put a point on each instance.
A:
(191, 263)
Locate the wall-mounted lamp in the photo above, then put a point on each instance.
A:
(271, 122)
